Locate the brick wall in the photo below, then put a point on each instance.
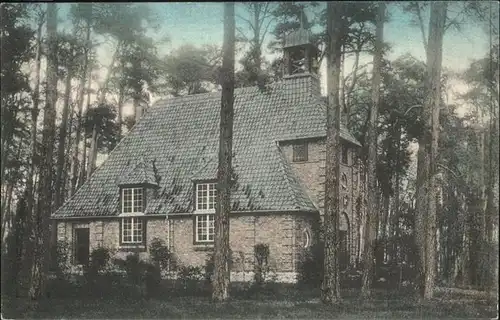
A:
(282, 232)
(312, 175)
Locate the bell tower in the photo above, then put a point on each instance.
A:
(300, 54)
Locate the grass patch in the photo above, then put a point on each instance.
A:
(273, 301)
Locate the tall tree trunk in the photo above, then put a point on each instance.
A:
(224, 172)
(382, 248)
(61, 153)
(102, 99)
(29, 236)
(66, 183)
(256, 38)
(62, 142)
(431, 134)
(371, 227)
(41, 257)
(81, 99)
(396, 211)
(121, 98)
(491, 275)
(82, 175)
(330, 291)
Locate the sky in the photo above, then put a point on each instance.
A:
(201, 23)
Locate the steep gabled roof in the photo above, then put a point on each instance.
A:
(181, 136)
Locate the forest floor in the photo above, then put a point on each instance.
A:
(287, 304)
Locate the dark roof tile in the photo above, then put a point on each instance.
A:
(178, 138)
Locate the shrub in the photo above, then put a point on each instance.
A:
(261, 268)
(160, 254)
(63, 265)
(190, 277)
(209, 268)
(134, 268)
(153, 280)
(310, 269)
(99, 258)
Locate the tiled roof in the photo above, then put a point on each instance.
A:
(141, 173)
(298, 37)
(180, 137)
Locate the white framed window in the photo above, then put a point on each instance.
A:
(132, 200)
(205, 228)
(205, 197)
(132, 230)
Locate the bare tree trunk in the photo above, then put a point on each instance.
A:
(83, 167)
(93, 143)
(386, 205)
(29, 235)
(41, 257)
(81, 99)
(371, 227)
(257, 42)
(330, 291)
(224, 173)
(66, 183)
(491, 275)
(432, 106)
(62, 142)
(121, 98)
(342, 99)
(396, 212)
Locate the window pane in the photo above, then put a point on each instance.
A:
(206, 194)
(300, 152)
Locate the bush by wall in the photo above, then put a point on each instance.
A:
(261, 267)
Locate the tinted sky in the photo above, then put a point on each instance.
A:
(201, 23)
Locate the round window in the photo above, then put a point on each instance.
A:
(307, 238)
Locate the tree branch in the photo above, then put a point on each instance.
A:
(247, 21)
(421, 24)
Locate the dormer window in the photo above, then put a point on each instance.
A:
(300, 153)
(205, 197)
(132, 200)
(206, 194)
(132, 224)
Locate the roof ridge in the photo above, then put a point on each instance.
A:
(188, 97)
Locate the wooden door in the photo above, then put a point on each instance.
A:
(82, 246)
